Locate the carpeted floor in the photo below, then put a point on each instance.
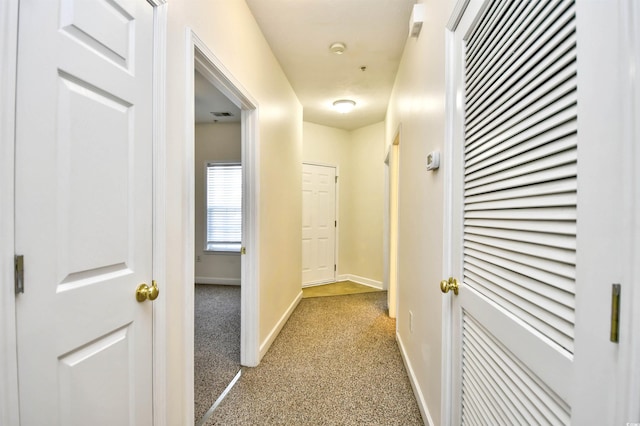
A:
(335, 362)
(336, 289)
(216, 342)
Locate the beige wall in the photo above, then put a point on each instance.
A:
(365, 206)
(359, 156)
(214, 142)
(417, 104)
(232, 35)
(330, 146)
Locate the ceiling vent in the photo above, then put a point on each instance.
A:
(222, 114)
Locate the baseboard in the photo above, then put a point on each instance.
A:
(317, 283)
(422, 404)
(264, 347)
(218, 281)
(361, 280)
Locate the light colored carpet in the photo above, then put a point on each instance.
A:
(336, 289)
(335, 362)
(216, 342)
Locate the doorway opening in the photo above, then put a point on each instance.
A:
(319, 224)
(218, 242)
(236, 263)
(392, 163)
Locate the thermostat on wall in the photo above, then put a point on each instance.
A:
(433, 160)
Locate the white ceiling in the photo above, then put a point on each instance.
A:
(300, 33)
(208, 100)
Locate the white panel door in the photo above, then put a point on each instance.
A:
(318, 224)
(84, 211)
(516, 143)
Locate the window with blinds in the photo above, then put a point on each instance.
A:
(520, 173)
(224, 207)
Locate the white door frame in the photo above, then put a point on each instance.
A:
(613, 60)
(390, 238)
(159, 243)
(452, 220)
(200, 57)
(9, 404)
(630, 383)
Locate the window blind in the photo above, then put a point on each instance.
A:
(224, 206)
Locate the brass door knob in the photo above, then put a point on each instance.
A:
(450, 284)
(144, 292)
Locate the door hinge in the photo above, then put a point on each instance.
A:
(334, 268)
(335, 223)
(336, 179)
(18, 262)
(615, 313)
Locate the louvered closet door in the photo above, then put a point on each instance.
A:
(517, 298)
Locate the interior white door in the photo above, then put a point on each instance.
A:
(516, 143)
(318, 224)
(84, 211)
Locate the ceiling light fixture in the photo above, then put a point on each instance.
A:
(338, 48)
(344, 106)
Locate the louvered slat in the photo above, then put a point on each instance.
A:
(511, 18)
(510, 91)
(543, 84)
(526, 242)
(482, 50)
(521, 163)
(544, 401)
(553, 200)
(540, 187)
(485, 360)
(515, 85)
(557, 300)
(526, 398)
(520, 195)
(549, 227)
(541, 320)
(549, 169)
(485, 27)
(553, 273)
(542, 214)
(561, 98)
(478, 352)
(489, 387)
(513, 142)
(534, 158)
(534, 301)
(518, 51)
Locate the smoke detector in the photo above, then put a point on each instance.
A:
(338, 48)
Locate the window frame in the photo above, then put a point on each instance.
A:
(223, 247)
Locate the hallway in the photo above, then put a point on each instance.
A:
(336, 361)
